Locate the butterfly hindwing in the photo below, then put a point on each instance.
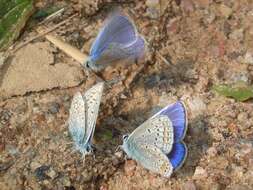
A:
(77, 119)
(152, 158)
(156, 131)
(178, 155)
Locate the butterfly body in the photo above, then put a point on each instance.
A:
(83, 115)
(117, 40)
(157, 144)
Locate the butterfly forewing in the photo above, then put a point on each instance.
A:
(77, 118)
(156, 131)
(92, 99)
(118, 29)
(117, 51)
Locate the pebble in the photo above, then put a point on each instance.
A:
(11, 149)
(237, 34)
(189, 185)
(52, 174)
(119, 154)
(130, 167)
(242, 117)
(87, 176)
(212, 151)
(5, 116)
(238, 187)
(34, 165)
(65, 181)
(196, 106)
(248, 58)
(54, 107)
(225, 10)
(40, 172)
(209, 17)
(202, 3)
(115, 161)
(199, 173)
(153, 8)
(187, 5)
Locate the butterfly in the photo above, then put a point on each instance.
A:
(118, 39)
(82, 117)
(158, 144)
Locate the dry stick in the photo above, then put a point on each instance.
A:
(52, 16)
(72, 52)
(44, 33)
(68, 49)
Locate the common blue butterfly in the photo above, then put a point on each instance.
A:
(117, 40)
(83, 115)
(158, 144)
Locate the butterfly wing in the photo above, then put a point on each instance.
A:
(116, 51)
(178, 155)
(92, 99)
(77, 118)
(152, 158)
(118, 29)
(178, 116)
(156, 131)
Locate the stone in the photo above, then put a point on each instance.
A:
(52, 173)
(199, 173)
(65, 181)
(202, 3)
(237, 34)
(248, 58)
(187, 5)
(189, 185)
(130, 167)
(119, 154)
(196, 106)
(153, 8)
(212, 151)
(32, 69)
(54, 107)
(225, 11)
(87, 176)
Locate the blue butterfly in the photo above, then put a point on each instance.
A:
(117, 40)
(158, 143)
(82, 117)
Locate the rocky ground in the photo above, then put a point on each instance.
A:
(207, 42)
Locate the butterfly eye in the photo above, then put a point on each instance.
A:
(89, 150)
(125, 137)
(87, 64)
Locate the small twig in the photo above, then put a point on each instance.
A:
(44, 33)
(52, 16)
